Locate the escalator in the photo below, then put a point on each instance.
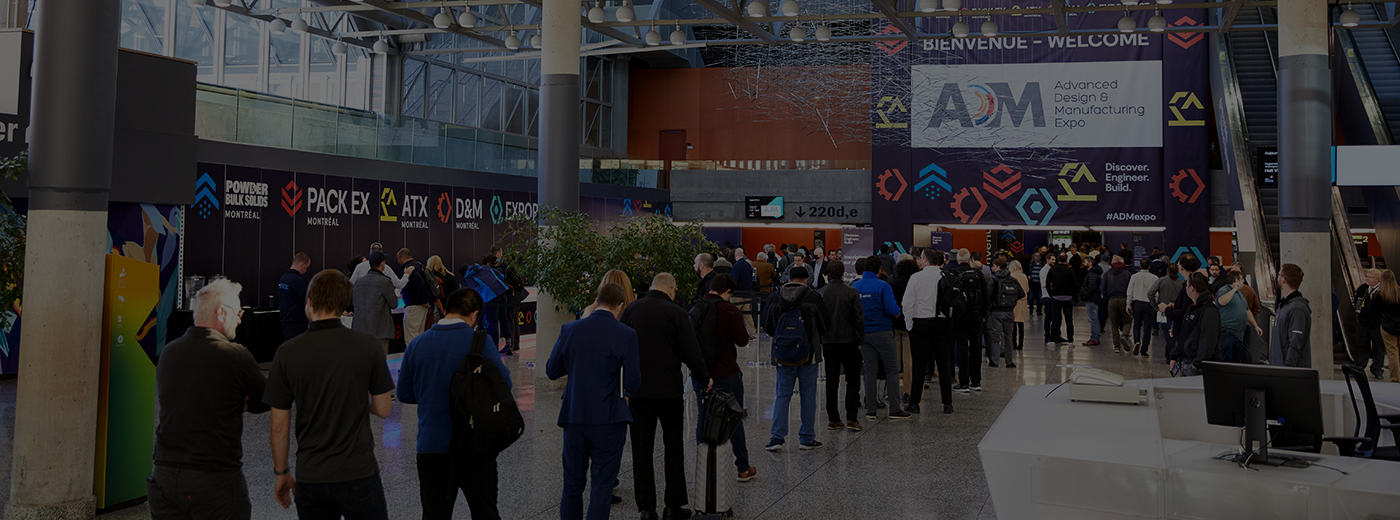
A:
(1255, 56)
(1380, 66)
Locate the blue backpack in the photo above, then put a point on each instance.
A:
(790, 344)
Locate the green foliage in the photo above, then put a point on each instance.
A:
(567, 257)
(12, 232)
(615, 176)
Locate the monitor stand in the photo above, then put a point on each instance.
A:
(1256, 430)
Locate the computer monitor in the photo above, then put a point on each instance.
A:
(1250, 395)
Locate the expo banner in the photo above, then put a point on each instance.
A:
(1034, 131)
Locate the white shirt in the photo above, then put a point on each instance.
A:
(363, 269)
(1045, 279)
(921, 297)
(1139, 284)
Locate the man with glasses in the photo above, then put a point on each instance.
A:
(205, 383)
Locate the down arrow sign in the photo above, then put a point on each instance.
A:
(799, 212)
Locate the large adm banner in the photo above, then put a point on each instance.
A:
(1040, 130)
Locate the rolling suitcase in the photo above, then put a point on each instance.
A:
(714, 481)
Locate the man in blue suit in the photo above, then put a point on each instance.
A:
(594, 414)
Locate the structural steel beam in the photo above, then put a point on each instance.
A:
(428, 21)
(733, 17)
(1229, 19)
(1057, 9)
(238, 9)
(604, 30)
(892, 12)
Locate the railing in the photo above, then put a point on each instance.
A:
(242, 116)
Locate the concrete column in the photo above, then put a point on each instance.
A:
(73, 108)
(1305, 181)
(559, 143)
(393, 83)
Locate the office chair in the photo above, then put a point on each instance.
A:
(1364, 446)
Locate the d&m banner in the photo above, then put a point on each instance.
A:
(1032, 131)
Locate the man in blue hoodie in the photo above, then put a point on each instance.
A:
(877, 300)
(425, 379)
(600, 356)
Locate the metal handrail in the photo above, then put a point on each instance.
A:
(1235, 154)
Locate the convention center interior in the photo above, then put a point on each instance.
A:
(537, 259)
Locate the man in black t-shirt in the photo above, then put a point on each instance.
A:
(336, 377)
(205, 383)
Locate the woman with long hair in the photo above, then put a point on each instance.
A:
(618, 277)
(1388, 299)
(1023, 308)
(446, 280)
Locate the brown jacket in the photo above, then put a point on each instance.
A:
(764, 273)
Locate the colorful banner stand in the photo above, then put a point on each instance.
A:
(126, 410)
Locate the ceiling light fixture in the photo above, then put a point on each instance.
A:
(196, 3)
(1126, 24)
(339, 48)
(299, 26)
(597, 14)
(757, 9)
(928, 6)
(277, 26)
(223, 3)
(1130, 2)
(443, 19)
(797, 34)
(1157, 23)
(537, 41)
(625, 13)
(381, 46)
(678, 36)
(1350, 18)
(960, 29)
(952, 5)
(512, 41)
(989, 28)
(467, 19)
(653, 37)
(790, 8)
(824, 33)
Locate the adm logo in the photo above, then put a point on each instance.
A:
(205, 201)
(983, 105)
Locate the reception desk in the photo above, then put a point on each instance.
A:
(1049, 457)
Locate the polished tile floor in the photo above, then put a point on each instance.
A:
(927, 467)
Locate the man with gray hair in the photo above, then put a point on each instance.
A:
(204, 383)
(705, 267)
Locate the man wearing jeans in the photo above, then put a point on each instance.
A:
(730, 332)
(336, 377)
(878, 303)
(796, 293)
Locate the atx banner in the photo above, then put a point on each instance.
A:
(1033, 131)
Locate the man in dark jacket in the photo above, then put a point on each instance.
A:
(705, 268)
(291, 297)
(1062, 285)
(1289, 342)
(743, 272)
(841, 346)
(1003, 293)
(967, 332)
(1116, 283)
(1368, 324)
(1091, 293)
(729, 333)
(1203, 343)
(417, 299)
(797, 294)
(667, 339)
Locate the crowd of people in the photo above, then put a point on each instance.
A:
(907, 319)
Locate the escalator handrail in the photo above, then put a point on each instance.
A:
(1230, 123)
(1356, 65)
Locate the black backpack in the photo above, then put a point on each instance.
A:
(704, 317)
(429, 281)
(485, 419)
(973, 288)
(951, 302)
(1008, 293)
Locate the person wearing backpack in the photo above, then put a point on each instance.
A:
(601, 357)
(796, 319)
(720, 329)
(841, 346)
(417, 299)
(971, 286)
(1006, 293)
(425, 377)
(1091, 293)
(667, 340)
